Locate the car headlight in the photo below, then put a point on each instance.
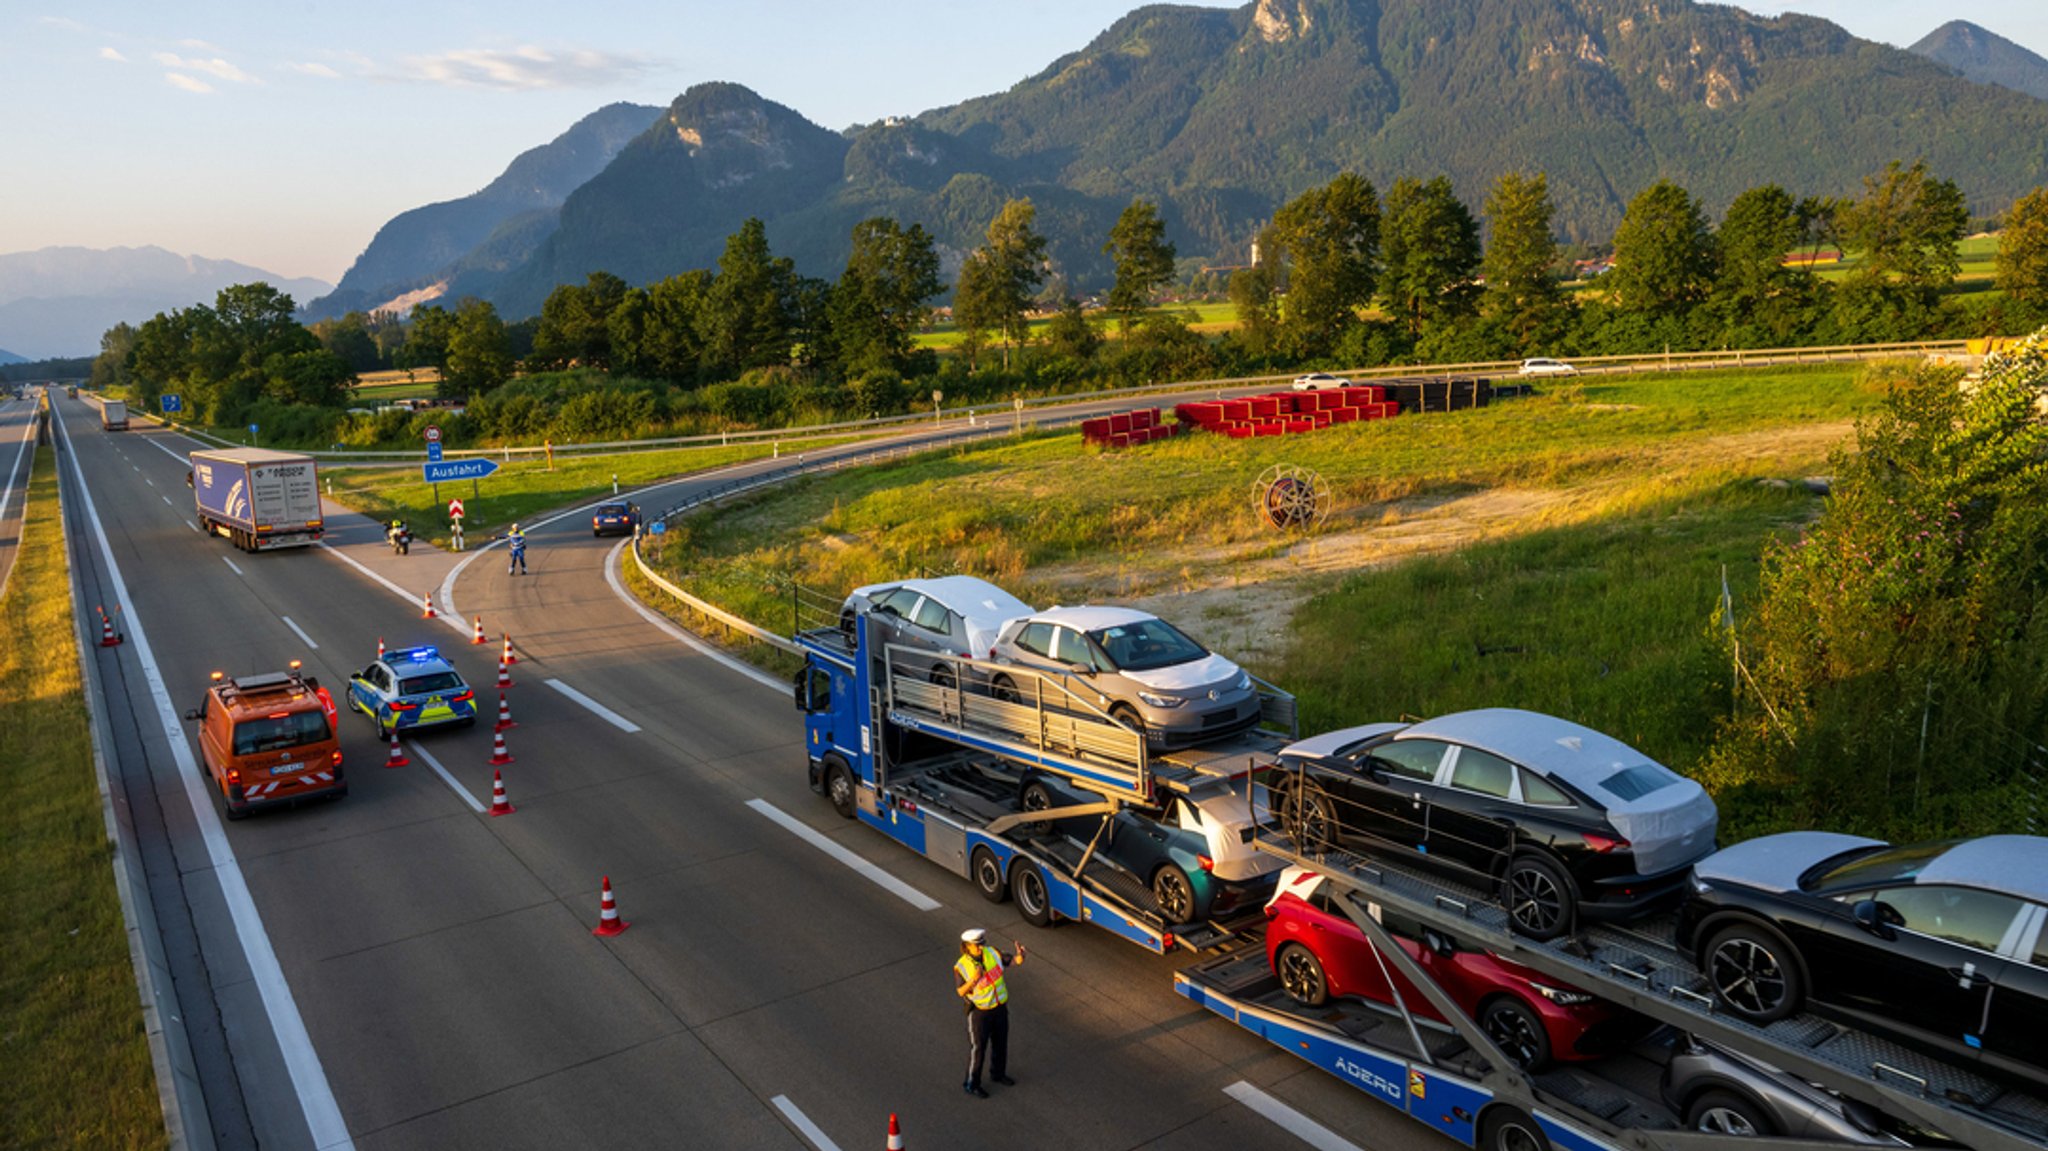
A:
(1159, 700)
(1559, 995)
(1244, 681)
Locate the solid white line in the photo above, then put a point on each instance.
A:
(7, 488)
(604, 713)
(400, 592)
(231, 565)
(460, 790)
(1288, 1119)
(301, 632)
(611, 576)
(803, 1124)
(302, 1063)
(869, 871)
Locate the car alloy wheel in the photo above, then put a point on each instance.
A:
(1517, 1032)
(1538, 897)
(1747, 974)
(1175, 895)
(1722, 1113)
(1310, 817)
(1301, 976)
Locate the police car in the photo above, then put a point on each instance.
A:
(412, 688)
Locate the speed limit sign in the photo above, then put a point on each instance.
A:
(433, 434)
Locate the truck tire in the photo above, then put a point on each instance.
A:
(839, 788)
(1027, 886)
(988, 876)
(1504, 1128)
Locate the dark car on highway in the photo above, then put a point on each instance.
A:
(1940, 945)
(615, 519)
(1560, 819)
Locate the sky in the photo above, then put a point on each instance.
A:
(282, 134)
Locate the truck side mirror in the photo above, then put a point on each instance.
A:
(192, 713)
(803, 690)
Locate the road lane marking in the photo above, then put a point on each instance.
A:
(7, 490)
(803, 1124)
(401, 593)
(147, 480)
(301, 632)
(866, 870)
(288, 1027)
(186, 460)
(231, 565)
(611, 576)
(1288, 1119)
(167, 502)
(460, 790)
(601, 711)
(193, 526)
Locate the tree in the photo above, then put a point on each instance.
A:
(477, 360)
(111, 368)
(883, 297)
(1908, 225)
(1329, 238)
(1071, 337)
(1664, 256)
(2022, 252)
(349, 337)
(1756, 297)
(426, 340)
(1258, 315)
(750, 314)
(1143, 259)
(999, 279)
(575, 322)
(1521, 287)
(1430, 244)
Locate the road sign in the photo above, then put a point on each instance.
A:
(433, 434)
(253, 429)
(433, 451)
(458, 470)
(454, 509)
(660, 527)
(172, 403)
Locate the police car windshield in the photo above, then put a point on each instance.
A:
(437, 681)
(280, 731)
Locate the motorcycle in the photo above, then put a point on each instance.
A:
(400, 538)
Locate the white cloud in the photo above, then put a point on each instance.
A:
(113, 54)
(527, 68)
(63, 22)
(216, 67)
(320, 70)
(199, 46)
(188, 83)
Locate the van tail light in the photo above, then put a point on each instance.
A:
(337, 759)
(1208, 863)
(1603, 844)
(234, 777)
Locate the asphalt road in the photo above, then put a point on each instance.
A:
(439, 963)
(17, 441)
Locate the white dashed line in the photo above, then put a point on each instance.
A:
(300, 632)
(803, 1124)
(866, 870)
(231, 565)
(147, 480)
(1288, 1119)
(190, 524)
(167, 503)
(601, 711)
(460, 790)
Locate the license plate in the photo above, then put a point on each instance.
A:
(287, 768)
(437, 701)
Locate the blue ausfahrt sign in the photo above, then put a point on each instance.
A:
(458, 470)
(172, 403)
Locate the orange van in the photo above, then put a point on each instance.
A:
(266, 740)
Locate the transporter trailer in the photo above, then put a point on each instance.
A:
(1021, 790)
(1453, 1077)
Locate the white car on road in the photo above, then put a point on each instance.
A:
(1542, 367)
(1315, 381)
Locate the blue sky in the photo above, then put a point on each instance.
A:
(283, 134)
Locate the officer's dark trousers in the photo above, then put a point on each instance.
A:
(988, 1036)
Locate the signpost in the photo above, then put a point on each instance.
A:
(455, 523)
(472, 469)
(253, 430)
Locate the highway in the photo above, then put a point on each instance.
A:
(17, 441)
(399, 970)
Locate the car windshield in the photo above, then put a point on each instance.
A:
(612, 510)
(1872, 866)
(433, 681)
(1146, 644)
(292, 729)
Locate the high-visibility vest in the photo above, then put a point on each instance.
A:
(517, 541)
(984, 980)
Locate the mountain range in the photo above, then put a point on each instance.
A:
(1985, 57)
(59, 301)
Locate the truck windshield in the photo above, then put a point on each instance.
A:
(293, 729)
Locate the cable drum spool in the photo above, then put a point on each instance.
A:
(1291, 498)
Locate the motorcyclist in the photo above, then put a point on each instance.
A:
(400, 536)
(515, 543)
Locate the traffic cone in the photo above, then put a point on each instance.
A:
(608, 921)
(504, 676)
(499, 756)
(504, 714)
(426, 605)
(895, 1134)
(507, 655)
(478, 637)
(380, 647)
(397, 757)
(107, 636)
(499, 804)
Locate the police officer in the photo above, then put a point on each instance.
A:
(979, 977)
(515, 542)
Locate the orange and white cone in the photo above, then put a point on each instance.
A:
(504, 676)
(107, 636)
(506, 656)
(499, 804)
(426, 605)
(380, 647)
(499, 756)
(505, 719)
(477, 637)
(608, 921)
(398, 757)
(895, 1134)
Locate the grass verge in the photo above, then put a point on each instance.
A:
(74, 1063)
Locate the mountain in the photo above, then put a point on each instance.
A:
(7, 357)
(1985, 57)
(490, 230)
(1221, 115)
(59, 301)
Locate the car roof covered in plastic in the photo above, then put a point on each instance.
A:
(1577, 754)
(1093, 618)
(2015, 864)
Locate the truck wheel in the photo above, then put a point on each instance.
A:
(988, 876)
(1510, 1129)
(839, 788)
(1027, 885)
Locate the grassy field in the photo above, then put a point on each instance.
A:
(1210, 317)
(74, 1064)
(1604, 512)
